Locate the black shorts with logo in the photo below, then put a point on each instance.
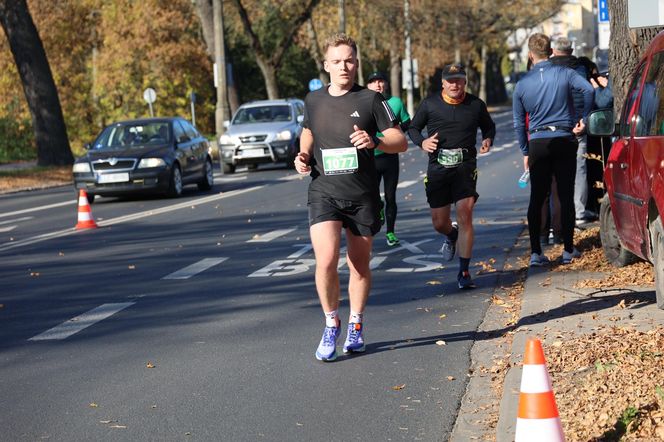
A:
(360, 217)
(448, 185)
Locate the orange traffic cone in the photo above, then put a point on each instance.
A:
(85, 220)
(538, 418)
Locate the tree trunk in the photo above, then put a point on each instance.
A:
(206, 17)
(270, 75)
(315, 52)
(482, 72)
(395, 66)
(495, 84)
(625, 49)
(38, 85)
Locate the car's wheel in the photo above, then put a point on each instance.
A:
(252, 166)
(657, 238)
(615, 253)
(207, 181)
(175, 183)
(91, 198)
(227, 168)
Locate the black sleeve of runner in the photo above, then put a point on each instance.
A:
(383, 114)
(404, 126)
(487, 125)
(417, 124)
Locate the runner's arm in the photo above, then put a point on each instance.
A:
(303, 159)
(393, 141)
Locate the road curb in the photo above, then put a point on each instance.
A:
(478, 404)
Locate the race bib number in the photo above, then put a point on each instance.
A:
(342, 160)
(450, 157)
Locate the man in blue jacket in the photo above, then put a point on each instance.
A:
(545, 93)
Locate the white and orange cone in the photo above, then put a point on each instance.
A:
(85, 220)
(538, 418)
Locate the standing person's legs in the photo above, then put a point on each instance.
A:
(564, 169)
(391, 179)
(540, 183)
(555, 213)
(581, 179)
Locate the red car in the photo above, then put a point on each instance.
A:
(631, 212)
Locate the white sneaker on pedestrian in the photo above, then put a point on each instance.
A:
(538, 260)
(569, 256)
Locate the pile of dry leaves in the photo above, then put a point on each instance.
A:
(609, 384)
(35, 178)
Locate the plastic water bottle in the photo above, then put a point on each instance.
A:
(525, 179)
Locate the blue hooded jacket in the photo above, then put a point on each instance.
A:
(545, 93)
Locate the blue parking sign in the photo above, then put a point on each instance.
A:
(315, 84)
(603, 11)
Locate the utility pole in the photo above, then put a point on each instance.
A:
(342, 17)
(222, 111)
(409, 58)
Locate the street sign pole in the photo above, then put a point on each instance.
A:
(149, 95)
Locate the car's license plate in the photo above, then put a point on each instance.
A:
(251, 153)
(113, 178)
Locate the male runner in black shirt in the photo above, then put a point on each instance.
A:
(340, 126)
(452, 119)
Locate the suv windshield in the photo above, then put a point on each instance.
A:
(262, 114)
(122, 136)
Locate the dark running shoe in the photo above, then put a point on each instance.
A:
(465, 282)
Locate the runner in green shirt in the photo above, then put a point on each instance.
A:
(387, 164)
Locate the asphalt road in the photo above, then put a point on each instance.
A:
(197, 318)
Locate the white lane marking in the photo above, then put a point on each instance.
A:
(232, 178)
(112, 221)
(404, 184)
(7, 229)
(304, 248)
(271, 235)
(17, 220)
(195, 268)
(78, 323)
(403, 244)
(35, 209)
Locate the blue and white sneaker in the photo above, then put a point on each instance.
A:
(327, 349)
(354, 340)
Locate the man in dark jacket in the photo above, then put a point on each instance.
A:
(562, 56)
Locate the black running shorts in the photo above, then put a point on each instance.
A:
(445, 186)
(362, 218)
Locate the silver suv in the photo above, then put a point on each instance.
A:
(265, 131)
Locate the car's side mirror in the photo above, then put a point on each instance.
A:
(227, 124)
(600, 123)
(300, 118)
(87, 146)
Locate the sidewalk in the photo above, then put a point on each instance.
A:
(553, 309)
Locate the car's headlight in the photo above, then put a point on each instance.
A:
(151, 162)
(225, 139)
(81, 168)
(284, 135)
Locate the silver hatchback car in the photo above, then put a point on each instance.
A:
(265, 131)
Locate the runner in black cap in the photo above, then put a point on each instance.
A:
(452, 119)
(387, 164)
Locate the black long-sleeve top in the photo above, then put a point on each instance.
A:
(456, 124)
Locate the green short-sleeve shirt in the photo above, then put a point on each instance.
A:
(400, 112)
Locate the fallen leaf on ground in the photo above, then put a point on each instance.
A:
(433, 282)
(399, 387)
(149, 365)
(93, 405)
(450, 378)
(441, 342)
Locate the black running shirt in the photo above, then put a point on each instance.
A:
(331, 120)
(456, 124)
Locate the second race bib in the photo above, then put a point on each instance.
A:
(450, 157)
(342, 160)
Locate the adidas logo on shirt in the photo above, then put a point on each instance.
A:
(355, 114)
